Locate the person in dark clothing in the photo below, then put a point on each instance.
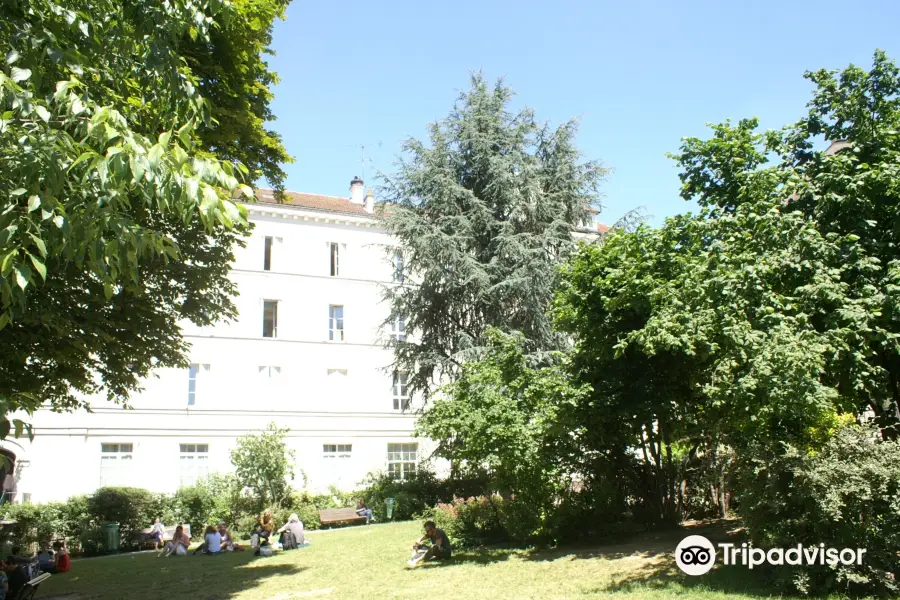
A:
(440, 548)
(15, 574)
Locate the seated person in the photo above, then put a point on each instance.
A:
(62, 557)
(157, 531)
(227, 541)
(364, 511)
(178, 545)
(212, 541)
(440, 545)
(264, 529)
(293, 528)
(16, 575)
(46, 559)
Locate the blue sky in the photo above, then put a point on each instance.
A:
(639, 75)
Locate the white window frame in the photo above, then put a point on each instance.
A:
(400, 391)
(402, 460)
(190, 457)
(341, 452)
(268, 371)
(399, 265)
(336, 334)
(274, 320)
(197, 372)
(398, 329)
(334, 259)
(118, 474)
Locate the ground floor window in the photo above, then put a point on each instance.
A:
(401, 460)
(115, 464)
(193, 463)
(337, 451)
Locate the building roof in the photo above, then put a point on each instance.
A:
(313, 201)
(602, 228)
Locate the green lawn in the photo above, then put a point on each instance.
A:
(370, 562)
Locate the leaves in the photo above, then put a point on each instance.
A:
(109, 239)
(484, 213)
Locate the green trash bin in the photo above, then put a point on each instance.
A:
(111, 535)
(389, 507)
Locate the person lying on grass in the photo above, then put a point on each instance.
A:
(440, 546)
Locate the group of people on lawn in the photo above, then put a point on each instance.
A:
(217, 540)
(15, 573)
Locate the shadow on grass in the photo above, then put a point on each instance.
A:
(196, 577)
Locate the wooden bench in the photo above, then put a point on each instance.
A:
(331, 516)
(30, 588)
(143, 536)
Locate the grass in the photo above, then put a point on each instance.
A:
(370, 562)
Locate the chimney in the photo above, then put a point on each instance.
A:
(370, 201)
(356, 191)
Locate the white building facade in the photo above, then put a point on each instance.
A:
(308, 352)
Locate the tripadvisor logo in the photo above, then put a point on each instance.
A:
(696, 555)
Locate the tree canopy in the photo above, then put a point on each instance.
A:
(761, 320)
(118, 218)
(482, 215)
(234, 77)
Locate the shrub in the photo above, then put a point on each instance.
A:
(847, 495)
(417, 495)
(194, 506)
(471, 522)
(129, 507)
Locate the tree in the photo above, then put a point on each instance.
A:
(117, 218)
(760, 321)
(504, 416)
(482, 216)
(234, 77)
(263, 463)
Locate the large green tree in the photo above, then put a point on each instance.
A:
(482, 215)
(117, 221)
(234, 77)
(758, 321)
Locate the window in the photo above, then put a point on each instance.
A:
(115, 464)
(267, 258)
(194, 373)
(338, 451)
(398, 329)
(333, 253)
(336, 323)
(270, 318)
(398, 266)
(401, 460)
(193, 463)
(269, 372)
(401, 392)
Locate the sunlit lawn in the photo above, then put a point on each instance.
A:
(370, 562)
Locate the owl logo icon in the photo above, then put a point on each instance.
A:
(695, 555)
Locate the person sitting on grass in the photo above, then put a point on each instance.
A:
(264, 529)
(16, 575)
(364, 511)
(46, 559)
(227, 540)
(440, 546)
(156, 533)
(63, 562)
(292, 533)
(178, 545)
(212, 541)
